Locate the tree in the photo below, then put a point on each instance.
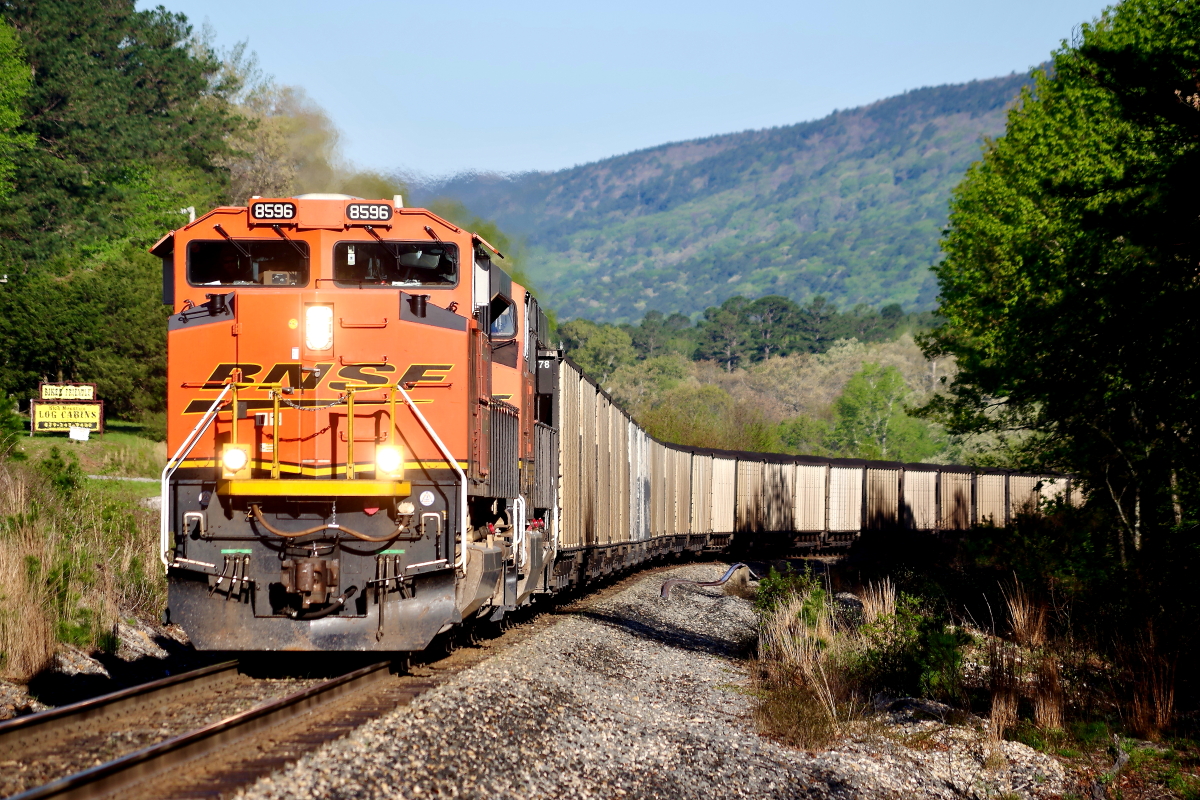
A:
(657, 334)
(724, 334)
(1070, 284)
(772, 322)
(116, 92)
(127, 115)
(598, 349)
(12, 426)
(804, 435)
(14, 88)
(871, 418)
(816, 326)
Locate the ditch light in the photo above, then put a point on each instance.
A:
(235, 461)
(389, 462)
(318, 327)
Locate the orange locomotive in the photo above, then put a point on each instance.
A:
(356, 395)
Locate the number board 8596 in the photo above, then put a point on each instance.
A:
(368, 212)
(272, 211)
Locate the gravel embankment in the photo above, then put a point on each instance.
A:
(634, 696)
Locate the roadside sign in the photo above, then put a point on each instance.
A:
(50, 417)
(67, 391)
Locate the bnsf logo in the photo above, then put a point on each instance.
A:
(298, 377)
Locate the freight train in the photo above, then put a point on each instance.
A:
(375, 439)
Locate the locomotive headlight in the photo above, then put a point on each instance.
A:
(235, 461)
(389, 461)
(318, 327)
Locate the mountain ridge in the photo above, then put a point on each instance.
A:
(850, 206)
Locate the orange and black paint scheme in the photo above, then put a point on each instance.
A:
(356, 391)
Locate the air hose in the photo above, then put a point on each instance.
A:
(261, 520)
(337, 603)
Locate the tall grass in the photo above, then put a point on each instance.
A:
(72, 560)
(1027, 617)
(820, 661)
(136, 459)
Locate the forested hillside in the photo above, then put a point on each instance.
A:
(850, 207)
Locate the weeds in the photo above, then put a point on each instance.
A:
(71, 560)
(819, 662)
(1028, 619)
(1002, 674)
(139, 459)
(879, 601)
(1152, 705)
(1048, 698)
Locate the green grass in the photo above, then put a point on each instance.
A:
(123, 450)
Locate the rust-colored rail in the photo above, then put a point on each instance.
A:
(27, 735)
(137, 768)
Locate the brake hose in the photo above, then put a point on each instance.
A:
(258, 516)
(337, 603)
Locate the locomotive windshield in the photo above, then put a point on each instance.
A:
(247, 262)
(383, 264)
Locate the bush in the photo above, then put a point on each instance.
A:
(911, 652)
(63, 474)
(818, 661)
(12, 427)
(72, 560)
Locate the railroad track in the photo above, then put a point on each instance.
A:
(211, 758)
(67, 752)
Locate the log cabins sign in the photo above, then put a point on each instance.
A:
(63, 406)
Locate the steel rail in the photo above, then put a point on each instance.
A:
(27, 734)
(128, 771)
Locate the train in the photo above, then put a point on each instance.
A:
(375, 439)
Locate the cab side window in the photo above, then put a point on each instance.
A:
(504, 318)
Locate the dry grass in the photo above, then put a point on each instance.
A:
(1048, 697)
(69, 565)
(1027, 618)
(1152, 706)
(1002, 675)
(879, 600)
(796, 640)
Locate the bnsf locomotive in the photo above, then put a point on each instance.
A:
(375, 440)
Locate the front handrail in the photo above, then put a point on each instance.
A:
(461, 561)
(185, 449)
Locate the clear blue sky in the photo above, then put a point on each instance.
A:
(438, 87)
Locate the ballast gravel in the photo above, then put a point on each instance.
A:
(635, 696)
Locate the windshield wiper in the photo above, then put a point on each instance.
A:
(303, 253)
(393, 253)
(245, 253)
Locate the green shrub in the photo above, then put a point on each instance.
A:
(777, 586)
(12, 427)
(911, 652)
(63, 474)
